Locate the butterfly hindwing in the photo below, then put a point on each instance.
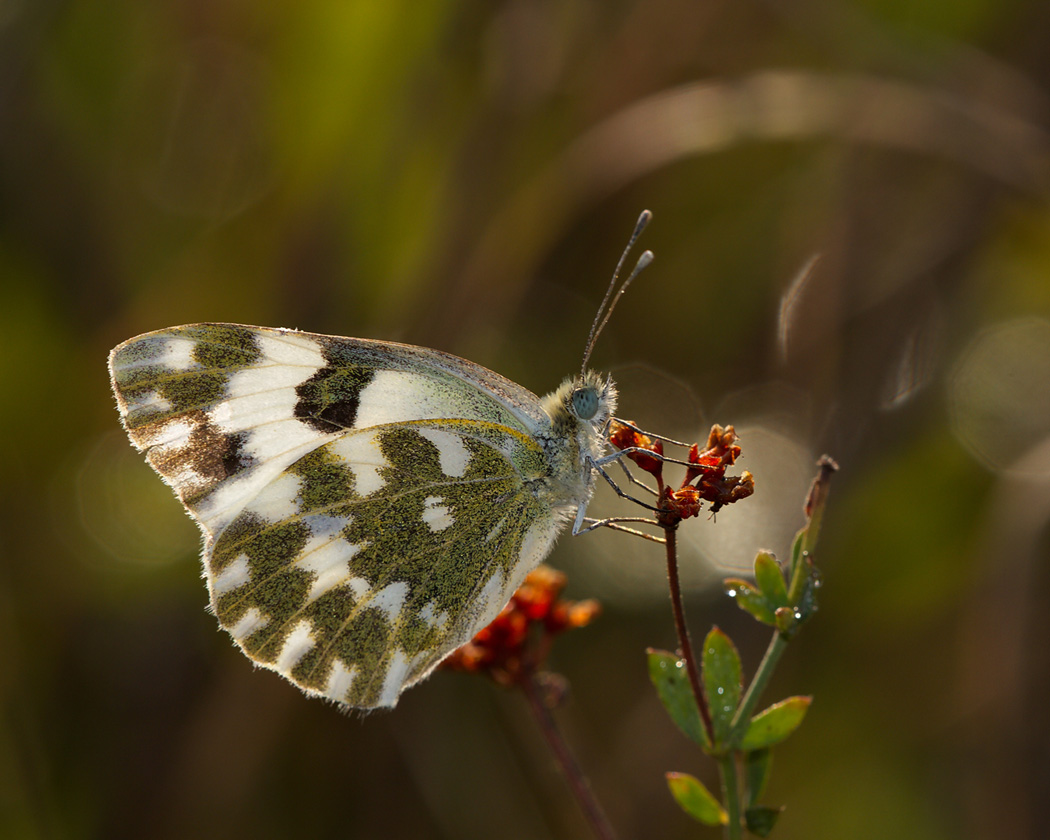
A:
(367, 506)
(374, 556)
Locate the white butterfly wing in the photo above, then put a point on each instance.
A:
(367, 506)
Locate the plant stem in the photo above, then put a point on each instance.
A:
(742, 718)
(581, 789)
(730, 795)
(684, 641)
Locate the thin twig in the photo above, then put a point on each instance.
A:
(742, 718)
(577, 781)
(684, 641)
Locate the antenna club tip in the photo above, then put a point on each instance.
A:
(612, 294)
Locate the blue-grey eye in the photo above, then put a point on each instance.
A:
(585, 403)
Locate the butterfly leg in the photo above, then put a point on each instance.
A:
(581, 519)
(597, 465)
(614, 523)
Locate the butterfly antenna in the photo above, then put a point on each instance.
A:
(612, 294)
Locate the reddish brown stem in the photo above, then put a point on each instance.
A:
(684, 641)
(581, 789)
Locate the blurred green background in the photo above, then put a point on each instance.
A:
(464, 176)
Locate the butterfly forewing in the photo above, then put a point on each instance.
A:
(367, 506)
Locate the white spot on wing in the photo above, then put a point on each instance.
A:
(390, 599)
(394, 681)
(250, 622)
(148, 402)
(296, 645)
(491, 599)
(279, 500)
(171, 435)
(340, 678)
(453, 455)
(234, 575)
(437, 515)
(364, 457)
(175, 353)
(290, 348)
(432, 617)
(394, 396)
(328, 557)
(360, 587)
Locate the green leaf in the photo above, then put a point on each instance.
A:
(775, 723)
(757, 766)
(721, 679)
(749, 599)
(671, 680)
(761, 819)
(695, 799)
(770, 579)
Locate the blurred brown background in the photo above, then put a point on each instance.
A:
(464, 176)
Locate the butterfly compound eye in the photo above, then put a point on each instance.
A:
(585, 403)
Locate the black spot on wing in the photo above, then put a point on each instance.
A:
(328, 400)
(235, 459)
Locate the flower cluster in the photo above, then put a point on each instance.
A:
(705, 476)
(514, 646)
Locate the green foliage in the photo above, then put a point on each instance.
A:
(721, 672)
(773, 725)
(750, 599)
(764, 600)
(758, 764)
(761, 819)
(770, 580)
(668, 674)
(729, 732)
(695, 799)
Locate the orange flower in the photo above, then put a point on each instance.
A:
(515, 645)
(706, 468)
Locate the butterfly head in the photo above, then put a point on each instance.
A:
(585, 402)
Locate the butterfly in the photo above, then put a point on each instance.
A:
(366, 506)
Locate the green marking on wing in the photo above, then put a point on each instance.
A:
(327, 482)
(224, 346)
